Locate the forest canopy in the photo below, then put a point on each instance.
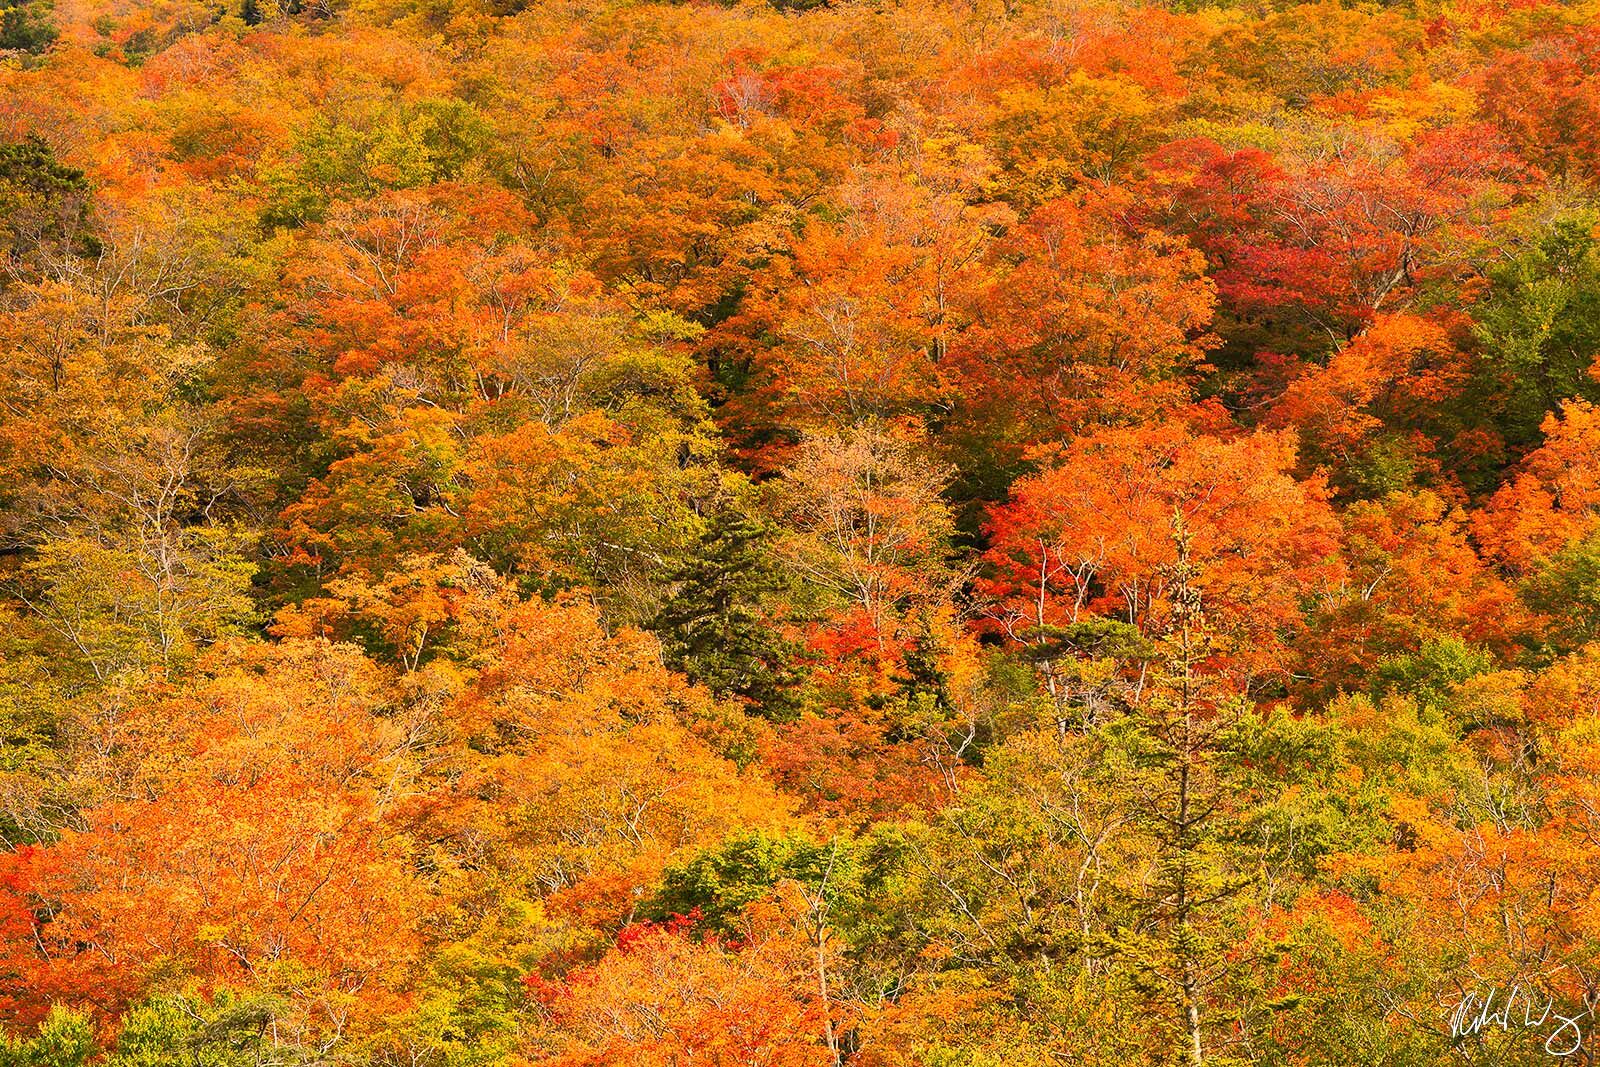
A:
(799, 533)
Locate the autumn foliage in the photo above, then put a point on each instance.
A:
(798, 533)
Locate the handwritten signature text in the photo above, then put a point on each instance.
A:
(1518, 1009)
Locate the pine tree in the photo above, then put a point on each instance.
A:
(1182, 733)
(716, 627)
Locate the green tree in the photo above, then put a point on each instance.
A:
(1179, 736)
(27, 26)
(64, 1039)
(1539, 329)
(227, 1030)
(43, 202)
(1566, 591)
(717, 627)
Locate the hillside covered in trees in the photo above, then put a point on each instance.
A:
(882, 533)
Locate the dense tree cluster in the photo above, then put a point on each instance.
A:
(887, 533)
